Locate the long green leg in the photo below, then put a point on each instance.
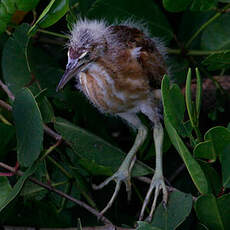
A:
(123, 174)
(157, 182)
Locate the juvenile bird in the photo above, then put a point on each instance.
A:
(119, 68)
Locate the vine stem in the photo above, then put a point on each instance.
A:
(60, 193)
(53, 34)
(206, 24)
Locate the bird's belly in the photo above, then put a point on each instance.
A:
(106, 92)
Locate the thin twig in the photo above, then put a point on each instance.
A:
(176, 173)
(6, 106)
(6, 89)
(52, 189)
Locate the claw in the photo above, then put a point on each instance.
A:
(120, 176)
(158, 184)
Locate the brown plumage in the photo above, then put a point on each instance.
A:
(119, 68)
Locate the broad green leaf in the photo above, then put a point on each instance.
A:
(7, 134)
(146, 226)
(193, 167)
(205, 150)
(57, 11)
(217, 61)
(112, 10)
(216, 36)
(190, 23)
(216, 139)
(14, 60)
(50, 15)
(213, 178)
(203, 5)
(174, 105)
(43, 14)
(9, 7)
(220, 137)
(17, 187)
(212, 212)
(178, 209)
(5, 189)
(95, 149)
(176, 5)
(225, 162)
(29, 127)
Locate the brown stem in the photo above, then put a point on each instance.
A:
(60, 193)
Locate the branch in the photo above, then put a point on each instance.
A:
(60, 193)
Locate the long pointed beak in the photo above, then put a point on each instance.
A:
(72, 69)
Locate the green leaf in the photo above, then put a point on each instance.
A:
(14, 60)
(216, 139)
(203, 5)
(213, 178)
(45, 108)
(96, 150)
(198, 93)
(217, 61)
(176, 5)
(57, 11)
(216, 36)
(220, 137)
(178, 208)
(17, 187)
(205, 150)
(174, 106)
(193, 167)
(212, 212)
(5, 189)
(29, 127)
(195, 5)
(225, 162)
(43, 14)
(8, 8)
(188, 99)
(113, 10)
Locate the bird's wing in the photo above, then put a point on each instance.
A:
(150, 56)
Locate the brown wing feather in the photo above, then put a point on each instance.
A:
(150, 57)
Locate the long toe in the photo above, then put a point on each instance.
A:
(158, 184)
(120, 176)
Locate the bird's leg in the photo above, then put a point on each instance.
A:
(157, 182)
(123, 174)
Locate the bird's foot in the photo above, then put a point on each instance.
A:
(158, 184)
(122, 175)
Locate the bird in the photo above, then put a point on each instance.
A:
(119, 68)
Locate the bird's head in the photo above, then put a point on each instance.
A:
(88, 42)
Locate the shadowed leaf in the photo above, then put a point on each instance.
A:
(29, 127)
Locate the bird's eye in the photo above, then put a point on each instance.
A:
(84, 55)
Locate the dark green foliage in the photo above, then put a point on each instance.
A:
(33, 58)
